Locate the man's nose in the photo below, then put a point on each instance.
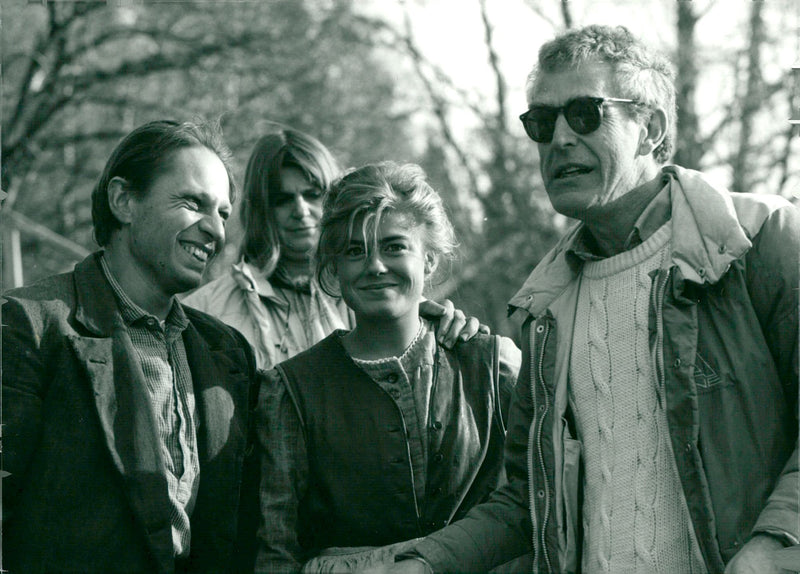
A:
(214, 226)
(562, 133)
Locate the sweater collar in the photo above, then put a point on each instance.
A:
(706, 237)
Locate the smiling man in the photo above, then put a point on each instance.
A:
(125, 414)
(654, 428)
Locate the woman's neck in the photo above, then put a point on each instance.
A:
(295, 269)
(373, 339)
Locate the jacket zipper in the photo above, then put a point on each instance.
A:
(537, 429)
(658, 348)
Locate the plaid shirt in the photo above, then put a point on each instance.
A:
(162, 355)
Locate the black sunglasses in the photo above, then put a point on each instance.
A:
(584, 115)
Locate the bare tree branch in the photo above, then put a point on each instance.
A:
(494, 63)
(566, 13)
(537, 9)
(439, 104)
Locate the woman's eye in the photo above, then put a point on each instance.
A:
(313, 193)
(283, 199)
(355, 251)
(395, 247)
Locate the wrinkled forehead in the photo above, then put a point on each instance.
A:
(555, 87)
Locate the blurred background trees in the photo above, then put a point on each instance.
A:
(372, 79)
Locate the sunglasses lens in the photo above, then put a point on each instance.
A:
(539, 122)
(583, 115)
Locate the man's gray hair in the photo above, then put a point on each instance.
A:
(641, 73)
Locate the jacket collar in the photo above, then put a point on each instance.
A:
(250, 278)
(707, 236)
(96, 308)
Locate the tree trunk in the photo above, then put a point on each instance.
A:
(742, 163)
(688, 151)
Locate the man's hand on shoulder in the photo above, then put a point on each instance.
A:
(756, 557)
(452, 324)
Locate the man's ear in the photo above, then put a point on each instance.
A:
(431, 262)
(654, 132)
(120, 199)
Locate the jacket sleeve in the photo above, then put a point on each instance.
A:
(284, 474)
(499, 530)
(773, 280)
(24, 384)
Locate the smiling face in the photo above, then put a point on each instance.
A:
(298, 208)
(178, 224)
(385, 281)
(584, 173)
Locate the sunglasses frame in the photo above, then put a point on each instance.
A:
(597, 102)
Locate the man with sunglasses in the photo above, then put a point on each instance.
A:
(654, 426)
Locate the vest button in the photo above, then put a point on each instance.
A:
(438, 457)
(437, 425)
(392, 378)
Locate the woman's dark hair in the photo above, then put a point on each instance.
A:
(262, 183)
(143, 155)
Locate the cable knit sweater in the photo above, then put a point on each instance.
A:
(637, 518)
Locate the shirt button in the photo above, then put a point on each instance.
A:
(688, 447)
(540, 329)
(540, 494)
(722, 249)
(151, 322)
(438, 457)
(677, 363)
(392, 378)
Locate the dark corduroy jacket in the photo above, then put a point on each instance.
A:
(81, 496)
